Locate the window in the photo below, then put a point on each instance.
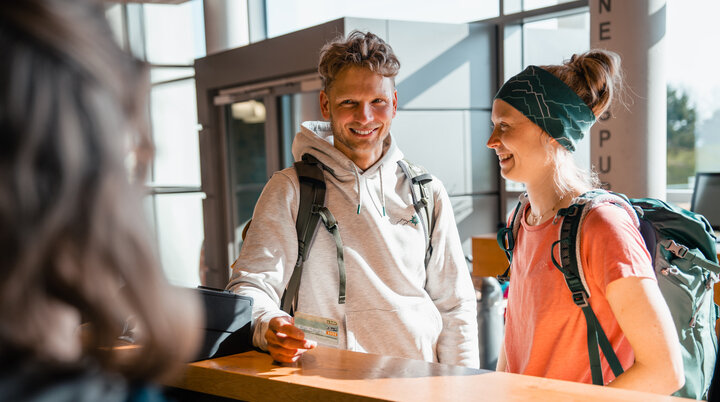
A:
(516, 6)
(170, 37)
(693, 95)
(284, 16)
(533, 4)
(173, 34)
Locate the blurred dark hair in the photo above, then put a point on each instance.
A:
(360, 49)
(72, 230)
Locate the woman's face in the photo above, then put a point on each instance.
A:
(519, 144)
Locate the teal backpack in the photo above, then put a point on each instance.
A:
(682, 246)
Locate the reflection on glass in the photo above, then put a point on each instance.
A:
(249, 112)
(247, 159)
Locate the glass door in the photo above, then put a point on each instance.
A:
(247, 159)
(293, 109)
(260, 126)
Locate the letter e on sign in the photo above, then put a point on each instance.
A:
(604, 30)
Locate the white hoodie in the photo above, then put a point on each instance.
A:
(394, 305)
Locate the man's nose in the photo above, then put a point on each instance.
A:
(364, 113)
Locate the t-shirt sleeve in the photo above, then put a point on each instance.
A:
(612, 247)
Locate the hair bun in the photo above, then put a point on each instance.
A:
(595, 75)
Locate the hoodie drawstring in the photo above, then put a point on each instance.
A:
(382, 191)
(359, 191)
(357, 180)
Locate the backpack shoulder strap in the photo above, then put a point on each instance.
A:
(571, 267)
(573, 218)
(507, 235)
(423, 200)
(312, 197)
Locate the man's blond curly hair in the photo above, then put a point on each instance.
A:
(361, 49)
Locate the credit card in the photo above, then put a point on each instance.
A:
(320, 329)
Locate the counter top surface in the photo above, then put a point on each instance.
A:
(330, 374)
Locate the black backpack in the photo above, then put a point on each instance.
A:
(682, 247)
(312, 209)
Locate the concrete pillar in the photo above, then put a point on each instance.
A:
(226, 24)
(628, 147)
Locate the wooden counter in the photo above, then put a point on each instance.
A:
(338, 375)
(488, 257)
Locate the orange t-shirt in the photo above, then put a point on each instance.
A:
(545, 332)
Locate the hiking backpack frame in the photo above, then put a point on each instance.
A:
(682, 247)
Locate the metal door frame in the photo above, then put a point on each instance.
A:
(284, 65)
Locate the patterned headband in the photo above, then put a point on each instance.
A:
(549, 103)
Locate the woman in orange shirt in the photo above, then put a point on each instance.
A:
(538, 117)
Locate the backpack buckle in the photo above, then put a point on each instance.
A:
(678, 249)
(505, 239)
(580, 298)
(326, 216)
(572, 210)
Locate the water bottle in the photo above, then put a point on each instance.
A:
(491, 321)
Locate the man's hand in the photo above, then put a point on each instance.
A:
(285, 341)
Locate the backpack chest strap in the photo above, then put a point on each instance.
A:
(683, 252)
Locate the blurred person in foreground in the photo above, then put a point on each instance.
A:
(73, 240)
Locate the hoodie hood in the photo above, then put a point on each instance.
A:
(316, 138)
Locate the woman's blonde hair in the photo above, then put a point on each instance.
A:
(72, 230)
(596, 76)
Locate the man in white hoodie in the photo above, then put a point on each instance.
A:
(395, 304)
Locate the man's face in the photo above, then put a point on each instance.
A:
(360, 105)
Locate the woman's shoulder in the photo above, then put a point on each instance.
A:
(607, 215)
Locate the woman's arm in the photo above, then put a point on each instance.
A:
(645, 320)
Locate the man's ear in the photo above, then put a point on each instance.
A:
(325, 105)
(395, 103)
